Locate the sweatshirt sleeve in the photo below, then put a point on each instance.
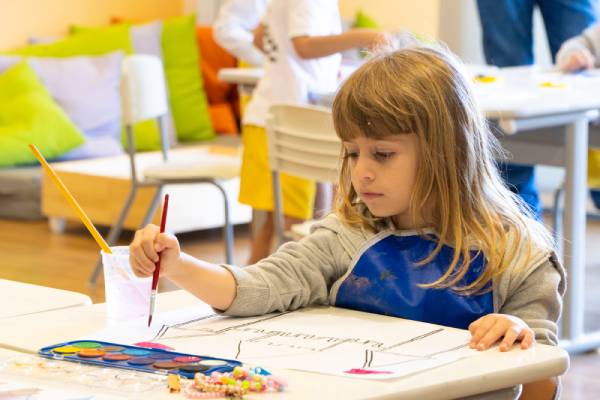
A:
(538, 300)
(589, 39)
(233, 28)
(297, 275)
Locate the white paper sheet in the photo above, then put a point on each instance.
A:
(325, 340)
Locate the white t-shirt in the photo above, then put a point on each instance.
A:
(287, 77)
(234, 25)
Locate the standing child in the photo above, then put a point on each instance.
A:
(301, 40)
(424, 228)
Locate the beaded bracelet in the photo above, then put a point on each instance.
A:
(233, 384)
(192, 393)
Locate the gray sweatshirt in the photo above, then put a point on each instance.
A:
(302, 273)
(589, 39)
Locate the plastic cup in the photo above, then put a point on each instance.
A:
(127, 296)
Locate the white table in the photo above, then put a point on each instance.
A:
(489, 371)
(520, 105)
(245, 78)
(523, 104)
(20, 298)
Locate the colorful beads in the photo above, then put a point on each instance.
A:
(233, 384)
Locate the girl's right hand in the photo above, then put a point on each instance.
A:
(144, 249)
(578, 59)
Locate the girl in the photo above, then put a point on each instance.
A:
(424, 228)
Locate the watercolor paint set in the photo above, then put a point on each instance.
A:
(151, 360)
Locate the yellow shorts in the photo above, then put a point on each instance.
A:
(256, 186)
(594, 169)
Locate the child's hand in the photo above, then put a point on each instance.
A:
(144, 249)
(490, 328)
(578, 59)
(371, 39)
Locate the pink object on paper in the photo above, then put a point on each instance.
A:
(360, 371)
(152, 345)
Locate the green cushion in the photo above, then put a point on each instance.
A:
(85, 44)
(187, 99)
(28, 114)
(363, 20)
(189, 104)
(89, 42)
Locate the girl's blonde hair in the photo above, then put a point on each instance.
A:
(422, 91)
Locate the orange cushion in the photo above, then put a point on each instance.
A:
(222, 96)
(223, 118)
(213, 58)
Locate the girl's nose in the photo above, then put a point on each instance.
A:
(363, 169)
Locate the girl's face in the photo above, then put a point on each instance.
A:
(383, 174)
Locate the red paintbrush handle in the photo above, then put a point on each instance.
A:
(163, 222)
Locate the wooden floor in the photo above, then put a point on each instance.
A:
(30, 253)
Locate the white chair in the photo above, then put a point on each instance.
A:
(302, 142)
(144, 97)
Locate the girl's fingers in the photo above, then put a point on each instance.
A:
(480, 329)
(510, 336)
(139, 264)
(491, 336)
(147, 243)
(474, 325)
(141, 249)
(527, 338)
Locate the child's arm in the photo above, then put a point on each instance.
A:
(211, 283)
(258, 35)
(576, 59)
(580, 52)
(321, 46)
(297, 275)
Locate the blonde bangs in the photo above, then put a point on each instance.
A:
(365, 106)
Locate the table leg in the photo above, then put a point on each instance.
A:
(574, 229)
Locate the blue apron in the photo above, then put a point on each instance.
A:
(384, 279)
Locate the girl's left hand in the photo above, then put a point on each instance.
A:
(490, 328)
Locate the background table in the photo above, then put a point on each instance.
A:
(23, 298)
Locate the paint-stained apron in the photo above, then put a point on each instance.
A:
(384, 279)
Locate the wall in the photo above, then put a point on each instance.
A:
(390, 14)
(453, 21)
(20, 19)
(418, 16)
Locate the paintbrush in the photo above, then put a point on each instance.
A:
(156, 273)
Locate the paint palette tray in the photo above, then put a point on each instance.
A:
(155, 361)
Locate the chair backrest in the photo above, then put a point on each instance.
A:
(144, 97)
(302, 142)
(143, 89)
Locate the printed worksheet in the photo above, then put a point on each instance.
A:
(326, 340)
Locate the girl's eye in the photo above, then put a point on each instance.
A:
(383, 155)
(352, 154)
